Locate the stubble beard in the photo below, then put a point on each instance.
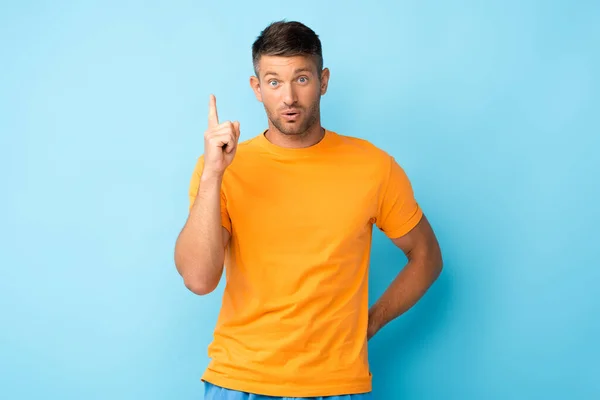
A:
(311, 117)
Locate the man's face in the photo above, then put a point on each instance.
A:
(290, 90)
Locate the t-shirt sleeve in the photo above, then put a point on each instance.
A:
(398, 210)
(193, 192)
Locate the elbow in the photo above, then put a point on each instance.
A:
(439, 264)
(198, 278)
(440, 267)
(197, 281)
(435, 262)
(199, 286)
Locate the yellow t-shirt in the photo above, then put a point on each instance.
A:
(294, 313)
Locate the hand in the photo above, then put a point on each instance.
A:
(220, 142)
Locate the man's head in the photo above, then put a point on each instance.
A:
(290, 78)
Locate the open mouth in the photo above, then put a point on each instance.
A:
(290, 115)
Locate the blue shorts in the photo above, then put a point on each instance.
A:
(213, 392)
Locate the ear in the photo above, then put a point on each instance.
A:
(324, 80)
(255, 85)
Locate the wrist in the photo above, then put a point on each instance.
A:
(208, 176)
(375, 322)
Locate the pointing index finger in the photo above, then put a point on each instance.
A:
(213, 117)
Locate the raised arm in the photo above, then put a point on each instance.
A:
(200, 246)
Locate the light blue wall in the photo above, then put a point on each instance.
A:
(492, 108)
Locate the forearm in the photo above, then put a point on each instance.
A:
(199, 250)
(404, 292)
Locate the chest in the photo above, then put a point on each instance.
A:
(317, 202)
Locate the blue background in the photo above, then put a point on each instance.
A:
(492, 108)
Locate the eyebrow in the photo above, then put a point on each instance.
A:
(296, 71)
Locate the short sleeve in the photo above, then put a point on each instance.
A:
(398, 210)
(193, 192)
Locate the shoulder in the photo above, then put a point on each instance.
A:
(365, 149)
(361, 143)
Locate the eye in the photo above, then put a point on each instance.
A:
(273, 83)
(303, 79)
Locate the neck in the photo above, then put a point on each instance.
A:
(310, 137)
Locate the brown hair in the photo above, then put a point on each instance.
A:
(287, 39)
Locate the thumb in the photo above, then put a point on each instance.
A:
(236, 127)
(236, 132)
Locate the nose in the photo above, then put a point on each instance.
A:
(289, 95)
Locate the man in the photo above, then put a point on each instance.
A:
(289, 213)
